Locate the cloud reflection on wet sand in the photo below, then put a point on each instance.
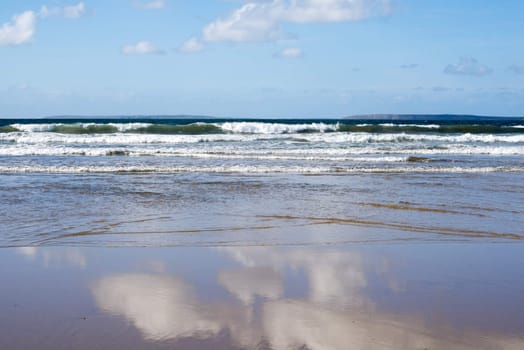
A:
(334, 313)
(160, 306)
(71, 256)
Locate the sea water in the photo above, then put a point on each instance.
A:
(159, 182)
(261, 234)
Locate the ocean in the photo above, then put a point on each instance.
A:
(158, 182)
(173, 233)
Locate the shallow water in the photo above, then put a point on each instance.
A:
(277, 209)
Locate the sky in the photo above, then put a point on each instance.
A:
(261, 58)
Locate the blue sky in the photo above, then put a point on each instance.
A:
(261, 58)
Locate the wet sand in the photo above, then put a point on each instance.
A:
(261, 234)
(418, 295)
(277, 261)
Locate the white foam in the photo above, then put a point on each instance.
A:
(363, 137)
(283, 157)
(274, 128)
(248, 169)
(425, 126)
(135, 145)
(118, 138)
(248, 131)
(121, 127)
(34, 127)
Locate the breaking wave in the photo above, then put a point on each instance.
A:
(260, 128)
(263, 152)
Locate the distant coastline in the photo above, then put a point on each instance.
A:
(351, 118)
(428, 117)
(414, 117)
(145, 116)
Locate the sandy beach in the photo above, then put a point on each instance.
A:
(262, 262)
(373, 296)
(401, 238)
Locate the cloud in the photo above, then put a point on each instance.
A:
(191, 45)
(141, 48)
(149, 5)
(290, 52)
(517, 69)
(322, 11)
(20, 30)
(75, 11)
(467, 66)
(70, 12)
(251, 22)
(409, 66)
(260, 21)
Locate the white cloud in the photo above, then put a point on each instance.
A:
(467, 66)
(260, 20)
(150, 5)
(291, 52)
(319, 11)
(70, 12)
(251, 22)
(74, 11)
(20, 30)
(48, 12)
(191, 45)
(515, 68)
(141, 48)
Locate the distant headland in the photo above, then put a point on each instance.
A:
(135, 116)
(427, 117)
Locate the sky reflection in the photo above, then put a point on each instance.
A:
(336, 311)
